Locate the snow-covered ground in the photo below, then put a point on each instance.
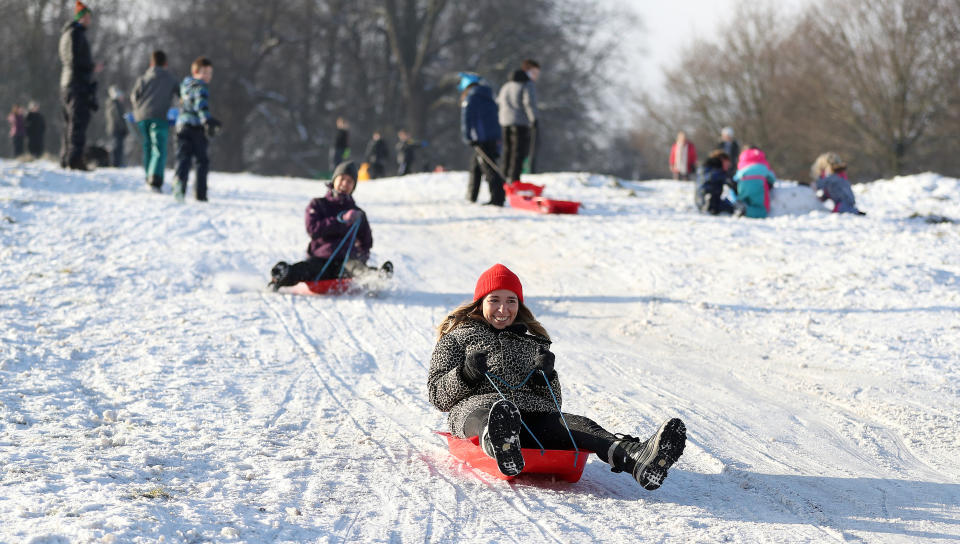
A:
(151, 389)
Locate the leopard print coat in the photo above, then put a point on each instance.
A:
(511, 355)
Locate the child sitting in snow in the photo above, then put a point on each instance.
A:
(710, 182)
(496, 337)
(754, 180)
(830, 181)
(328, 221)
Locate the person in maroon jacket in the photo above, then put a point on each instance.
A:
(329, 220)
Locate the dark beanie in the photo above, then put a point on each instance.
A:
(348, 168)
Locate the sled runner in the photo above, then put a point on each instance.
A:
(566, 465)
(527, 196)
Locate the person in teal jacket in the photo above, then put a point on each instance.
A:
(754, 179)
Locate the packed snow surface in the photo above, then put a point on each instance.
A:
(152, 389)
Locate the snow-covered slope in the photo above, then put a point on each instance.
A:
(152, 389)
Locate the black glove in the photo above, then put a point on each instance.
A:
(545, 361)
(211, 127)
(474, 367)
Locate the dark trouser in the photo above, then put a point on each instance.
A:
(76, 117)
(712, 202)
(35, 145)
(192, 143)
(310, 270)
(116, 155)
(336, 157)
(549, 429)
(481, 167)
(534, 146)
(516, 146)
(17, 145)
(377, 170)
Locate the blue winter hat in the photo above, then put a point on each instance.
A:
(467, 79)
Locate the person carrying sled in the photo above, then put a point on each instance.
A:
(754, 179)
(329, 220)
(829, 172)
(496, 337)
(152, 95)
(480, 129)
(711, 179)
(194, 126)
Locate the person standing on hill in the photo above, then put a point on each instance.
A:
(729, 145)
(17, 129)
(151, 98)
(116, 125)
(77, 87)
(36, 126)
(406, 152)
(517, 101)
(194, 125)
(377, 155)
(480, 129)
(341, 143)
(683, 157)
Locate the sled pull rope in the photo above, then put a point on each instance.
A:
(352, 235)
(490, 377)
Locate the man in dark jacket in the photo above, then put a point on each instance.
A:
(151, 97)
(517, 103)
(729, 145)
(377, 154)
(77, 88)
(480, 129)
(711, 179)
(116, 125)
(406, 152)
(329, 220)
(341, 143)
(36, 127)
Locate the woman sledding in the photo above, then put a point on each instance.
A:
(332, 222)
(495, 339)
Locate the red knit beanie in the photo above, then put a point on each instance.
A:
(497, 277)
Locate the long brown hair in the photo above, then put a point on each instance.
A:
(472, 310)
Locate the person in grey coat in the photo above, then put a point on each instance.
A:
(152, 96)
(517, 112)
(116, 125)
(494, 342)
(78, 90)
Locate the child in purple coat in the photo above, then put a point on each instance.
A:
(329, 220)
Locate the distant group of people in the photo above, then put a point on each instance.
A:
(509, 122)
(27, 130)
(376, 153)
(750, 179)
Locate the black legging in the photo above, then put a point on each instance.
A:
(551, 432)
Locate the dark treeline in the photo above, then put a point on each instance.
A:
(284, 71)
(875, 80)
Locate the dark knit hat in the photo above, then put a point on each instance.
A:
(497, 277)
(348, 168)
(81, 10)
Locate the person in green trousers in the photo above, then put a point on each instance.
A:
(151, 98)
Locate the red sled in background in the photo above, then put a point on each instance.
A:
(527, 196)
(564, 464)
(322, 287)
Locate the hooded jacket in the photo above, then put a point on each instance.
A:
(77, 71)
(152, 94)
(478, 116)
(511, 355)
(326, 230)
(518, 101)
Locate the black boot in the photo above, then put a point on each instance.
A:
(155, 183)
(278, 275)
(501, 438)
(649, 461)
(386, 270)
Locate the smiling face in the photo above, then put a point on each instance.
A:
(500, 308)
(343, 184)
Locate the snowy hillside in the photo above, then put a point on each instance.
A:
(151, 389)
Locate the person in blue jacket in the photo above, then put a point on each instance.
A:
(480, 128)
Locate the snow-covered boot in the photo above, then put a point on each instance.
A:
(649, 461)
(179, 188)
(278, 274)
(386, 270)
(501, 438)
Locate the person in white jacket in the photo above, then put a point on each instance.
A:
(517, 103)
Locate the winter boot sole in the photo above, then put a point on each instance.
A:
(663, 450)
(503, 431)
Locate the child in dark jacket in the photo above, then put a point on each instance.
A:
(711, 180)
(328, 221)
(831, 183)
(194, 124)
(480, 128)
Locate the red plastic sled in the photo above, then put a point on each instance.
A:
(526, 196)
(566, 465)
(322, 287)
